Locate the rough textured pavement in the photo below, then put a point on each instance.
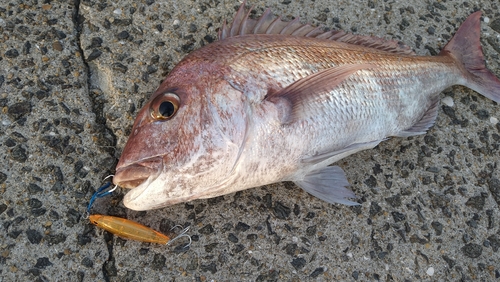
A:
(74, 74)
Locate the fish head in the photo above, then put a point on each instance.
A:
(185, 141)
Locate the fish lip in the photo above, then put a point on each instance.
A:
(147, 196)
(133, 175)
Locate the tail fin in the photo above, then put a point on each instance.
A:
(465, 47)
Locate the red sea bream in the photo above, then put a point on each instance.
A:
(278, 101)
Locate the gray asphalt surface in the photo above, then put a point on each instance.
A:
(74, 74)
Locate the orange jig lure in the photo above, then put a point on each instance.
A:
(128, 229)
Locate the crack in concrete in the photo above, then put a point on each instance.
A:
(103, 133)
(78, 28)
(106, 140)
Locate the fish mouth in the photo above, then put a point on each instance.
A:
(135, 174)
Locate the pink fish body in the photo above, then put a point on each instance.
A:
(280, 101)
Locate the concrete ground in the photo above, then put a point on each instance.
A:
(73, 75)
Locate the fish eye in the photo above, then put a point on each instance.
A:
(165, 106)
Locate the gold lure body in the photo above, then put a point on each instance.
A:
(128, 229)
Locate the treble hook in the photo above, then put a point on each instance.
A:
(99, 194)
(182, 234)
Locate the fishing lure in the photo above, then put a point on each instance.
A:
(125, 228)
(129, 229)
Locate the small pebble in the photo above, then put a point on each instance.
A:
(493, 120)
(117, 12)
(448, 101)
(12, 53)
(57, 46)
(430, 271)
(486, 19)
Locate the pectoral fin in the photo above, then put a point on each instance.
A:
(328, 184)
(334, 156)
(301, 95)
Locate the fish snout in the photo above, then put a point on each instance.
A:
(132, 175)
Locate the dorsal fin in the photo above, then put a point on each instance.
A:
(268, 24)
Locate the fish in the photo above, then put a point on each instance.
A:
(274, 101)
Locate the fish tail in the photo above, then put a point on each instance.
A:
(465, 48)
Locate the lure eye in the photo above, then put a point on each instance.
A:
(165, 106)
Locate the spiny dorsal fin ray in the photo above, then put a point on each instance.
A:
(268, 24)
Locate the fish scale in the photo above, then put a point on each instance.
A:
(280, 101)
(437, 74)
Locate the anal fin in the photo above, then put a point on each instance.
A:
(328, 184)
(426, 122)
